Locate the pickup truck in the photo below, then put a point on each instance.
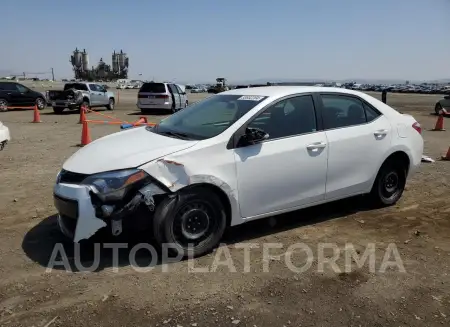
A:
(75, 95)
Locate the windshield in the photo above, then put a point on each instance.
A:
(209, 117)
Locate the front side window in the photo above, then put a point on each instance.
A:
(207, 118)
(342, 111)
(21, 88)
(293, 116)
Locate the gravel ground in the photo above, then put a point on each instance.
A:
(419, 227)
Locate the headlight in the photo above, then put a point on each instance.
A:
(112, 186)
(58, 177)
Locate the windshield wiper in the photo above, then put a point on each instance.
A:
(176, 134)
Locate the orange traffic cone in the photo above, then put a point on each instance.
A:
(439, 123)
(85, 134)
(142, 120)
(447, 156)
(82, 115)
(37, 116)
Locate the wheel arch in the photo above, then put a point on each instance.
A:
(398, 155)
(223, 196)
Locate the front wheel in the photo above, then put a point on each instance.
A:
(389, 184)
(190, 224)
(41, 103)
(111, 104)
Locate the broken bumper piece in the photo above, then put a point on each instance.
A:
(78, 217)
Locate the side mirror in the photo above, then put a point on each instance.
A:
(253, 136)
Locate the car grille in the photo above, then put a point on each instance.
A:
(69, 177)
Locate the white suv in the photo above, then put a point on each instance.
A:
(237, 156)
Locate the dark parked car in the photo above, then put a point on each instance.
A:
(17, 95)
(443, 104)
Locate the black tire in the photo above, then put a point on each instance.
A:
(389, 184)
(3, 105)
(174, 214)
(437, 108)
(111, 104)
(173, 110)
(85, 104)
(41, 103)
(58, 110)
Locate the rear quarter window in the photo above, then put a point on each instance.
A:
(153, 88)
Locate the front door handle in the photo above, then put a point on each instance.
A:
(316, 146)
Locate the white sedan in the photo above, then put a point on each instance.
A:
(234, 157)
(4, 136)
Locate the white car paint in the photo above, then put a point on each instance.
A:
(264, 179)
(5, 135)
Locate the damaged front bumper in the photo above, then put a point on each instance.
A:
(81, 215)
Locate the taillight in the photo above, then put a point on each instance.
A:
(417, 127)
(162, 96)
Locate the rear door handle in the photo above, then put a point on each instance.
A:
(316, 146)
(380, 133)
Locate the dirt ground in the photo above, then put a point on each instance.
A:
(419, 226)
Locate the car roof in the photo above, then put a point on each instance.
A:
(280, 91)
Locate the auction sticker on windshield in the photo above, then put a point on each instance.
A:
(251, 97)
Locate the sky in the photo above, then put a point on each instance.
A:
(199, 40)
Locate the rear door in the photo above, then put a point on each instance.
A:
(176, 96)
(359, 137)
(11, 93)
(153, 94)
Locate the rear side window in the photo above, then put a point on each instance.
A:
(342, 111)
(371, 113)
(8, 87)
(153, 88)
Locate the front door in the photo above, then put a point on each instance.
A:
(288, 169)
(175, 95)
(102, 95)
(25, 96)
(94, 95)
(183, 96)
(359, 137)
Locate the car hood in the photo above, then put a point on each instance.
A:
(126, 149)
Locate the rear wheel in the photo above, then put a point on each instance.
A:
(389, 184)
(85, 104)
(40, 103)
(3, 105)
(438, 108)
(192, 223)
